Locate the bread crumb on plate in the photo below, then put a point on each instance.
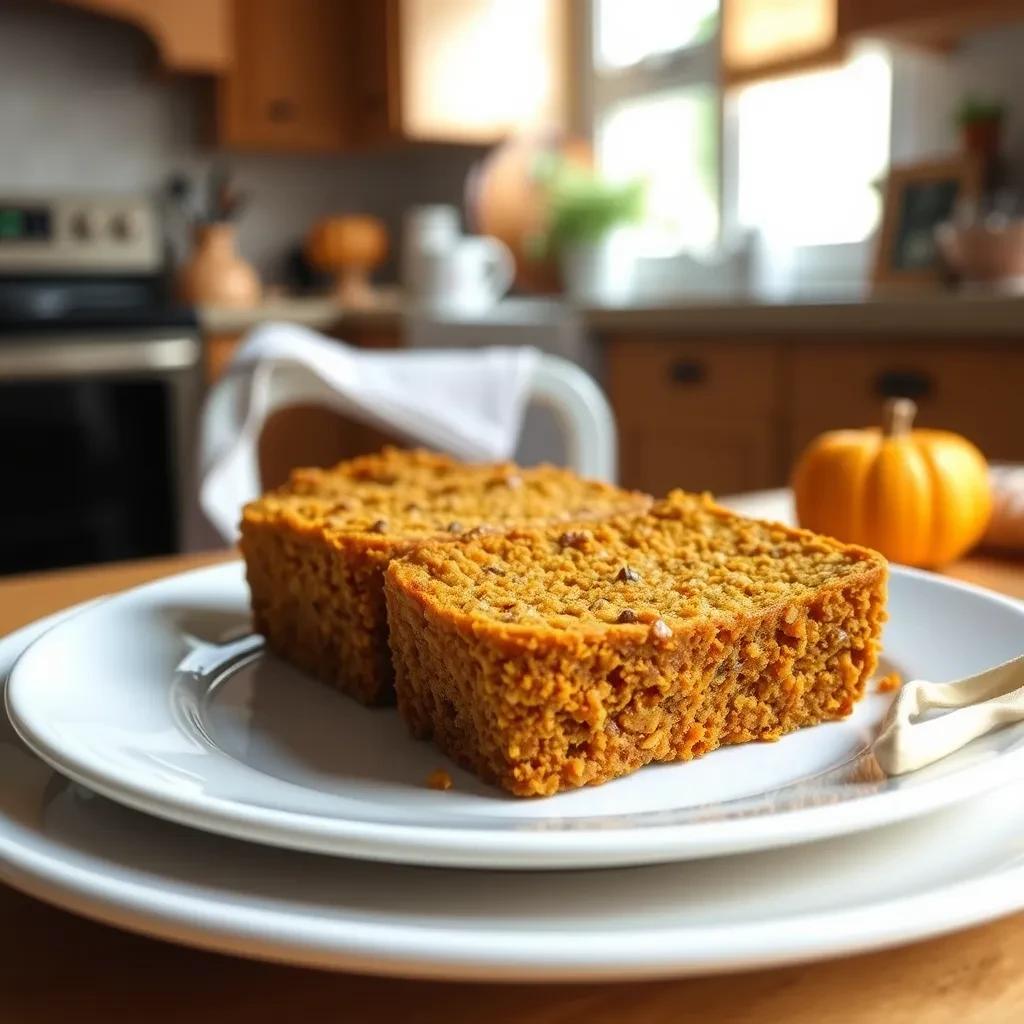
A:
(890, 682)
(439, 780)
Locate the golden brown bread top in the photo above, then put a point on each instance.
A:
(411, 466)
(685, 560)
(398, 496)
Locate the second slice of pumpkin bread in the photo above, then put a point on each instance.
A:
(548, 659)
(316, 549)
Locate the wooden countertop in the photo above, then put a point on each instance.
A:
(59, 968)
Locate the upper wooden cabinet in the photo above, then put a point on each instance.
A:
(928, 22)
(330, 74)
(326, 75)
(288, 87)
(477, 70)
(763, 38)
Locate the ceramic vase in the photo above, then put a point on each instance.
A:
(598, 273)
(215, 275)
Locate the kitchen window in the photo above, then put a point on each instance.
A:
(657, 116)
(810, 149)
(797, 158)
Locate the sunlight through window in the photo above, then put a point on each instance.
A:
(811, 148)
(629, 31)
(670, 141)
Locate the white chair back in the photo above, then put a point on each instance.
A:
(264, 379)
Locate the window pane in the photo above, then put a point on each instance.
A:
(810, 149)
(628, 31)
(671, 140)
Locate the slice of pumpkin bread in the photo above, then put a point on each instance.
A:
(548, 659)
(316, 549)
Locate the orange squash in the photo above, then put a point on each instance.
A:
(921, 497)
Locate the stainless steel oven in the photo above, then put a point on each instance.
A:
(99, 385)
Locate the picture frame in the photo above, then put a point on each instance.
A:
(916, 199)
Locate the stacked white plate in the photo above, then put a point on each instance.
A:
(173, 778)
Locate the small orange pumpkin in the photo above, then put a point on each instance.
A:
(921, 497)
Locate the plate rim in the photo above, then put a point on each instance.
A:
(272, 933)
(482, 848)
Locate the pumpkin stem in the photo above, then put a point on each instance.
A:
(898, 416)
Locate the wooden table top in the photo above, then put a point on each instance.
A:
(61, 968)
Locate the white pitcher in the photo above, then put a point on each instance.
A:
(448, 273)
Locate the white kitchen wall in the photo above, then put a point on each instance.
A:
(928, 85)
(83, 107)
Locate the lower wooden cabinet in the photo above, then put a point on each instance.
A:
(972, 387)
(730, 415)
(721, 458)
(697, 415)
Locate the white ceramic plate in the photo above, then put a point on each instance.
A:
(914, 880)
(159, 699)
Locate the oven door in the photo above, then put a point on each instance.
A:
(95, 444)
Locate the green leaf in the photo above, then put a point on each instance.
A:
(584, 207)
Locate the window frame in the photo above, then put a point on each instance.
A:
(700, 64)
(703, 64)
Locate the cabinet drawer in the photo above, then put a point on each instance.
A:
(721, 457)
(701, 415)
(973, 390)
(655, 381)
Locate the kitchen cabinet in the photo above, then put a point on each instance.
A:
(327, 75)
(698, 415)
(475, 71)
(928, 22)
(287, 88)
(730, 414)
(330, 75)
(973, 389)
(764, 38)
(375, 82)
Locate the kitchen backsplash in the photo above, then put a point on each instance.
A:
(82, 108)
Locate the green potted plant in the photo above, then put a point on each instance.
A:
(585, 215)
(980, 120)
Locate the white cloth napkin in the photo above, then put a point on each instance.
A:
(466, 402)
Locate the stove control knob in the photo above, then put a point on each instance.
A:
(126, 226)
(87, 224)
(81, 226)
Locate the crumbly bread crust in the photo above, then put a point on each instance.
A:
(316, 549)
(547, 659)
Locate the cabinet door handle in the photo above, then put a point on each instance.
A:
(281, 110)
(688, 371)
(904, 384)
